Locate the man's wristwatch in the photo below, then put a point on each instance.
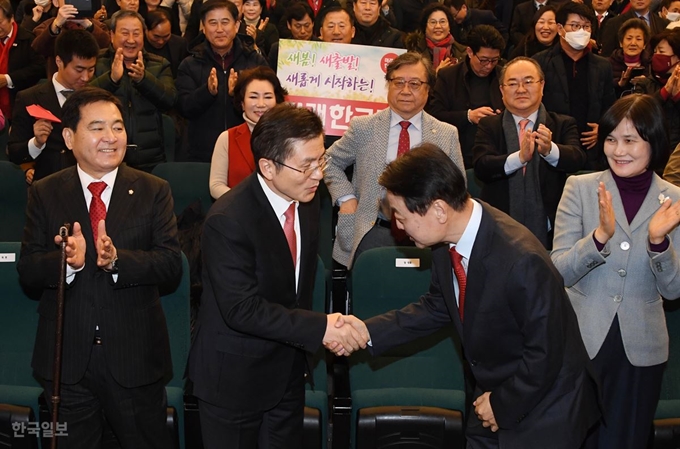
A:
(114, 266)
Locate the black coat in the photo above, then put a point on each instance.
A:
(477, 17)
(25, 66)
(210, 115)
(174, 51)
(381, 34)
(450, 102)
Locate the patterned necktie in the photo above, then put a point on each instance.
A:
(459, 271)
(404, 139)
(600, 18)
(66, 92)
(97, 207)
(522, 127)
(289, 231)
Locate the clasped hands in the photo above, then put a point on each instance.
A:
(541, 140)
(345, 334)
(76, 248)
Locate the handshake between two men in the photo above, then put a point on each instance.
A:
(345, 334)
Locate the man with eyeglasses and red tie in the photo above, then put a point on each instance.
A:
(371, 142)
(523, 155)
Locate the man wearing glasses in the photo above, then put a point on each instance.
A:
(371, 142)
(524, 154)
(464, 93)
(255, 328)
(578, 82)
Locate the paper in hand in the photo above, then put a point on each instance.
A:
(38, 112)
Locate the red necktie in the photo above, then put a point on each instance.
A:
(404, 139)
(522, 127)
(600, 18)
(289, 230)
(459, 271)
(97, 207)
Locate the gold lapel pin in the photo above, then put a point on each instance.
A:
(130, 192)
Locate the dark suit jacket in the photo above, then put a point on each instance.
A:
(521, 20)
(477, 17)
(490, 154)
(450, 102)
(520, 336)
(610, 31)
(598, 28)
(55, 156)
(141, 224)
(25, 66)
(556, 89)
(252, 323)
(174, 51)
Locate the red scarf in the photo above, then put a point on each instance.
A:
(440, 50)
(4, 64)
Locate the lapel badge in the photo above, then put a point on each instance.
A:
(130, 192)
(662, 198)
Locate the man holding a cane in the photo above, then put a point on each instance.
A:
(116, 354)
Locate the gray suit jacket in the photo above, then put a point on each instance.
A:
(364, 145)
(626, 278)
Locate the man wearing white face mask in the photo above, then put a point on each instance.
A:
(577, 82)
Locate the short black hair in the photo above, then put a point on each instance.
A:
(580, 9)
(279, 128)
(531, 35)
(262, 73)
(155, 18)
(6, 9)
(411, 58)
(457, 4)
(645, 113)
(211, 5)
(298, 11)
(123, 14)
(431, 8)
(485, 36)
(76, 42)
(520, 59)
(423, 175)
(70, 112)
(634, 24)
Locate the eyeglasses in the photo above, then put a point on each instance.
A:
(578, 26)
(487, 61)
(527, 83)
(442, 23)
(309, 171)
(400, 83)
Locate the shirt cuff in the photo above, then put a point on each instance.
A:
(554, 157)
(661, 247)
(344, 198)
(512, 163)
(71, 273)
(35, 150)
(10, 83)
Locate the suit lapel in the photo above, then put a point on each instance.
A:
(476, 273)
(617, 203)
(650, 205)
(558, 65)
(122, 199)
(73, 199)
(49, 99)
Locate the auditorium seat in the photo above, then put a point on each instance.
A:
(316, 398)
(667, 418)
(188, 181)
(13, 202)
(412, 395)
(18, 324)
(177, 315)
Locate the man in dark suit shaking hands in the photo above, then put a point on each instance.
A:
(255, 326)
(116, 353)
(494, 280)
